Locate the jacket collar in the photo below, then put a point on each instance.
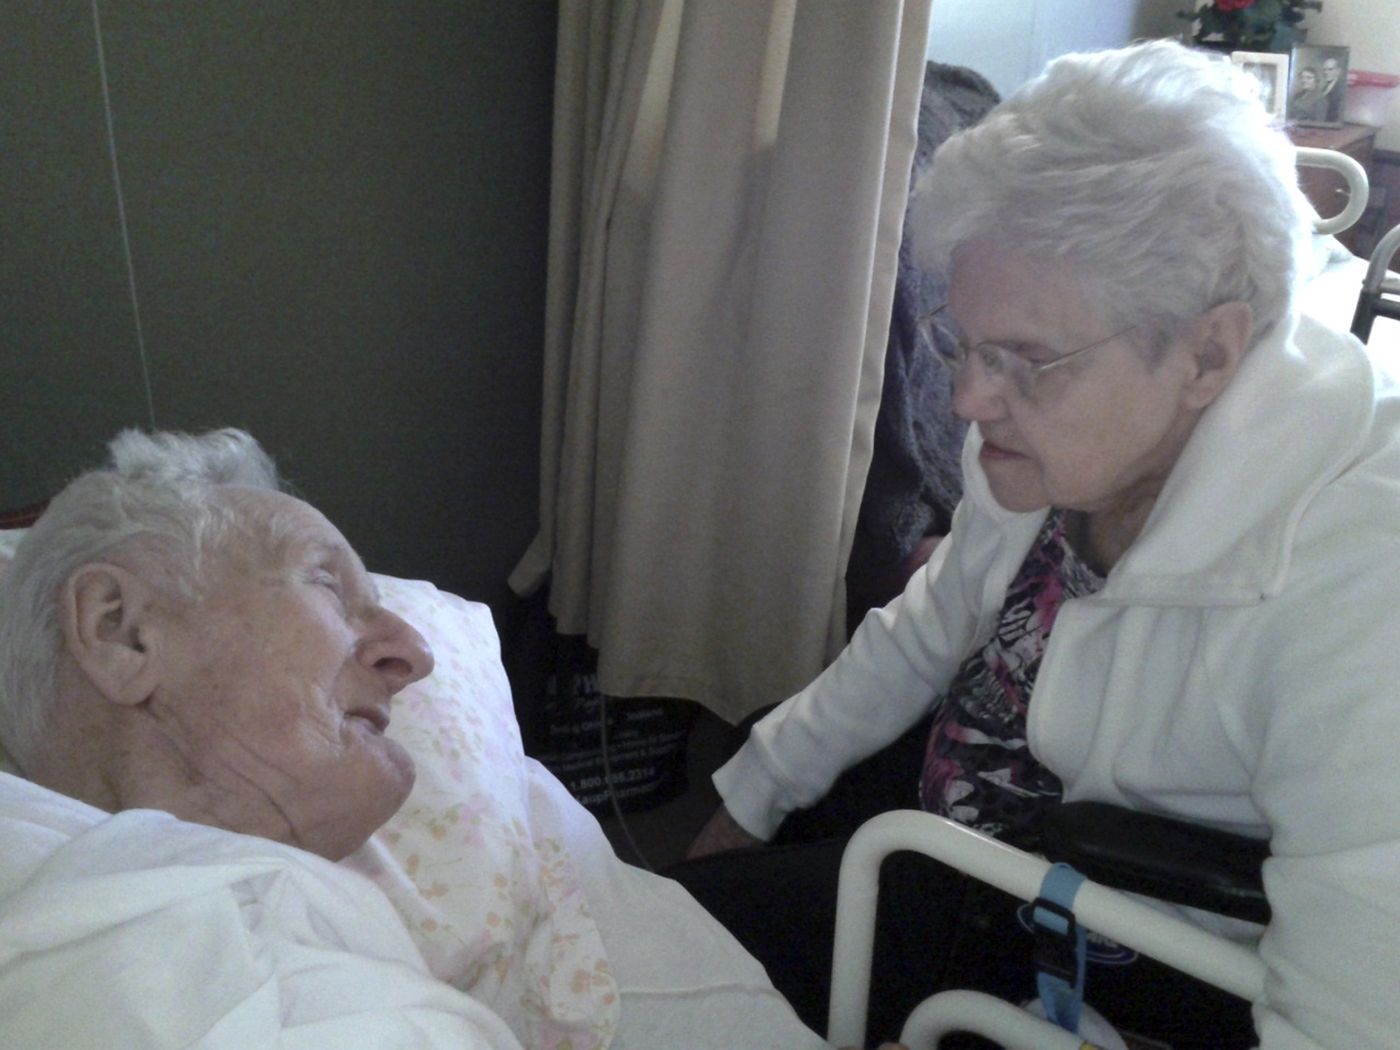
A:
(1222, 531)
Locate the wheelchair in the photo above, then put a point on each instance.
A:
(1380, 289)
(1140, 853)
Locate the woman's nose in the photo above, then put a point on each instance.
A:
(977, 393)
(396, 651)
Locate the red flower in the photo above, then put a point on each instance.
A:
(1233, 5)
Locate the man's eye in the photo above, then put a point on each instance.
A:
(329, 580)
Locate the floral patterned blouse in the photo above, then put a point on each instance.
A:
(978, 769)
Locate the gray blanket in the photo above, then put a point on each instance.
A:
(915, 479)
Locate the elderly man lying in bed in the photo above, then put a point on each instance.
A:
(196, 674)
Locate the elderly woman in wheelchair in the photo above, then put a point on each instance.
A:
(1172, 582)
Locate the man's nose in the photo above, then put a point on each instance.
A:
(395, 650)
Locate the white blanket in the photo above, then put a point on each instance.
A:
(141, 931)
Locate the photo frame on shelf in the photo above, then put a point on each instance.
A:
(1270, 73)
(1317, 90)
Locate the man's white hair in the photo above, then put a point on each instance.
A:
(160, 493)
(1152, 170)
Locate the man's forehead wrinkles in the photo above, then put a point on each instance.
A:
(324, 548)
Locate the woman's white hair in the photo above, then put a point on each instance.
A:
(1152, 170)
(159, 494)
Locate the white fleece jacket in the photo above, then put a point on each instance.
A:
(1240, 668)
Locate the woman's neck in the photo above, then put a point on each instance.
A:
(1101, 538)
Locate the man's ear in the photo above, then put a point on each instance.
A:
(1218, 342)
(105, 612)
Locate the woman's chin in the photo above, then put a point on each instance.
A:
(1021, 505)
(1012, 486)
(1019, 499)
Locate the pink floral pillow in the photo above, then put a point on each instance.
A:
(494, 902)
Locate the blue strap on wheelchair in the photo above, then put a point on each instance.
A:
(1060, 945)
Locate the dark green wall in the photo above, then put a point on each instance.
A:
(338, 216)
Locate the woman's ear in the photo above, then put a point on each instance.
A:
(1218, 342)
(105, 613)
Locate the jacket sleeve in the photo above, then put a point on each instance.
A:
(1327, 729)
(898, 661)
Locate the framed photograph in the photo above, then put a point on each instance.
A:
(1317, 91)
(1270, 73)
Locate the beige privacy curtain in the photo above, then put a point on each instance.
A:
(728, 194)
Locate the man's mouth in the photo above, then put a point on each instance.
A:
(378, 718)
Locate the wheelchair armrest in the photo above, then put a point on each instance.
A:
(1170, 860)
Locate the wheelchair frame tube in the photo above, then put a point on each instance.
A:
(988, 1016)
(1174, 941)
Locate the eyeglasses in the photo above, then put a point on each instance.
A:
(997, 361)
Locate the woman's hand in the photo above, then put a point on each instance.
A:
(721, 834)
